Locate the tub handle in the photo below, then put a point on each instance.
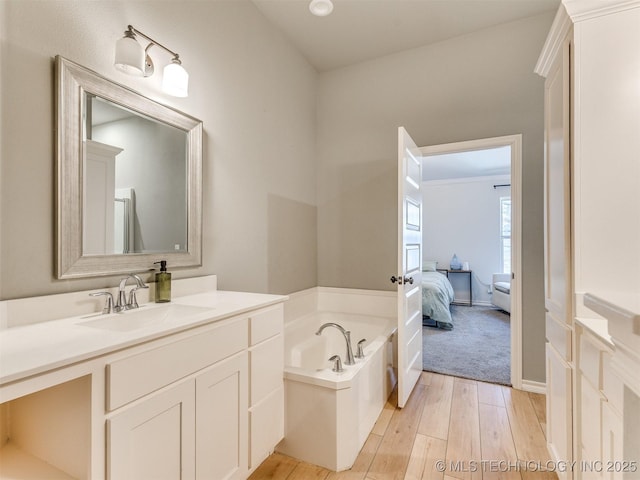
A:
(360, 352)
(337, 363)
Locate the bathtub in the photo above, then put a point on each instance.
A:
(329, 415)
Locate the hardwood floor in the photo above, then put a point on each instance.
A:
(450, 429)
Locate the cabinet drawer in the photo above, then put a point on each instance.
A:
(559, 336)
(589, 361)
(133, 377)
(266, 422)
(265, 323)
(267, 367)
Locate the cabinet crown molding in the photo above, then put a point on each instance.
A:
(569, 13)
(560, 28)
(580, 10)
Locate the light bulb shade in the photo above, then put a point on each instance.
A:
(129, 56)
(175, 80)
(321, 8)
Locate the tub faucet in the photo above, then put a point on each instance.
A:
(347, 337)
(337, 364)
(121, 303)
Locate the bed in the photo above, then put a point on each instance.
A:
(437, 295)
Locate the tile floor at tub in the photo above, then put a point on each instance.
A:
(495, 430)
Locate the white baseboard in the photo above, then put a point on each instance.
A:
(476, 303)
(482, 303)
(534, 387)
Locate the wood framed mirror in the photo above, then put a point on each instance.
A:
(129, 179)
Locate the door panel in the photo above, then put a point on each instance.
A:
(557, 185)
(221, 433)
(154, 439)
(409, 266)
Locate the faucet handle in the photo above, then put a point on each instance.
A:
(140, 283)
(337, 363)
(133, 300)
(108, 306)
(360, 352)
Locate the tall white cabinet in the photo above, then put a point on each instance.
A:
(557, 246)
(591, 66)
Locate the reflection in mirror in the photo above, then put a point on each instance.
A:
(135, 182)
(129, 179)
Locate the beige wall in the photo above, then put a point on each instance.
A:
(475, 86)
(253, 91)
(258, 99)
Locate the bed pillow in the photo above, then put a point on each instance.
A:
(429, 265)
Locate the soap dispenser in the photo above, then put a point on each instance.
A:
(163, 283)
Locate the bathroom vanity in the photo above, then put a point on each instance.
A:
(190, 389)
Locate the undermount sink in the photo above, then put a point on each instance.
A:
(130, 320)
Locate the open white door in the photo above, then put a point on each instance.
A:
(409, 276)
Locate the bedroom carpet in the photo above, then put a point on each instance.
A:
(478, 347)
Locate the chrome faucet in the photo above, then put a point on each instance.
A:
(108, 306)
(121, 302)
(337, 364)
(347, 337)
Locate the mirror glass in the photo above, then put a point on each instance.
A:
(135, 182)
(129, 178)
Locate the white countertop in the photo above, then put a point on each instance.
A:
(622, 313)
(598, 327)
(34, 349)
(615, 306)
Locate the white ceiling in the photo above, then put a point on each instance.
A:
(360, 30)
(476, 163)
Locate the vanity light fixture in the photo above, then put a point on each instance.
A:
(132, 59)
(321, 8)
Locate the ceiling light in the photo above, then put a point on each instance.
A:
(321, 8)
(132, 59)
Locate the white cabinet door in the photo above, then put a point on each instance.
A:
(557, 189)
(612, 443)
(155, 438)
(558, 273)
(589, 421)
(222, 411)
(559, 416)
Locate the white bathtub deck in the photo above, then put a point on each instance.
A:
(508, 426)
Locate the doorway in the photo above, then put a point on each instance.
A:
(510, 250)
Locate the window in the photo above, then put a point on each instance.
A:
(505, 234)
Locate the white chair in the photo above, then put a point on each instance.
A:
(501, 287)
